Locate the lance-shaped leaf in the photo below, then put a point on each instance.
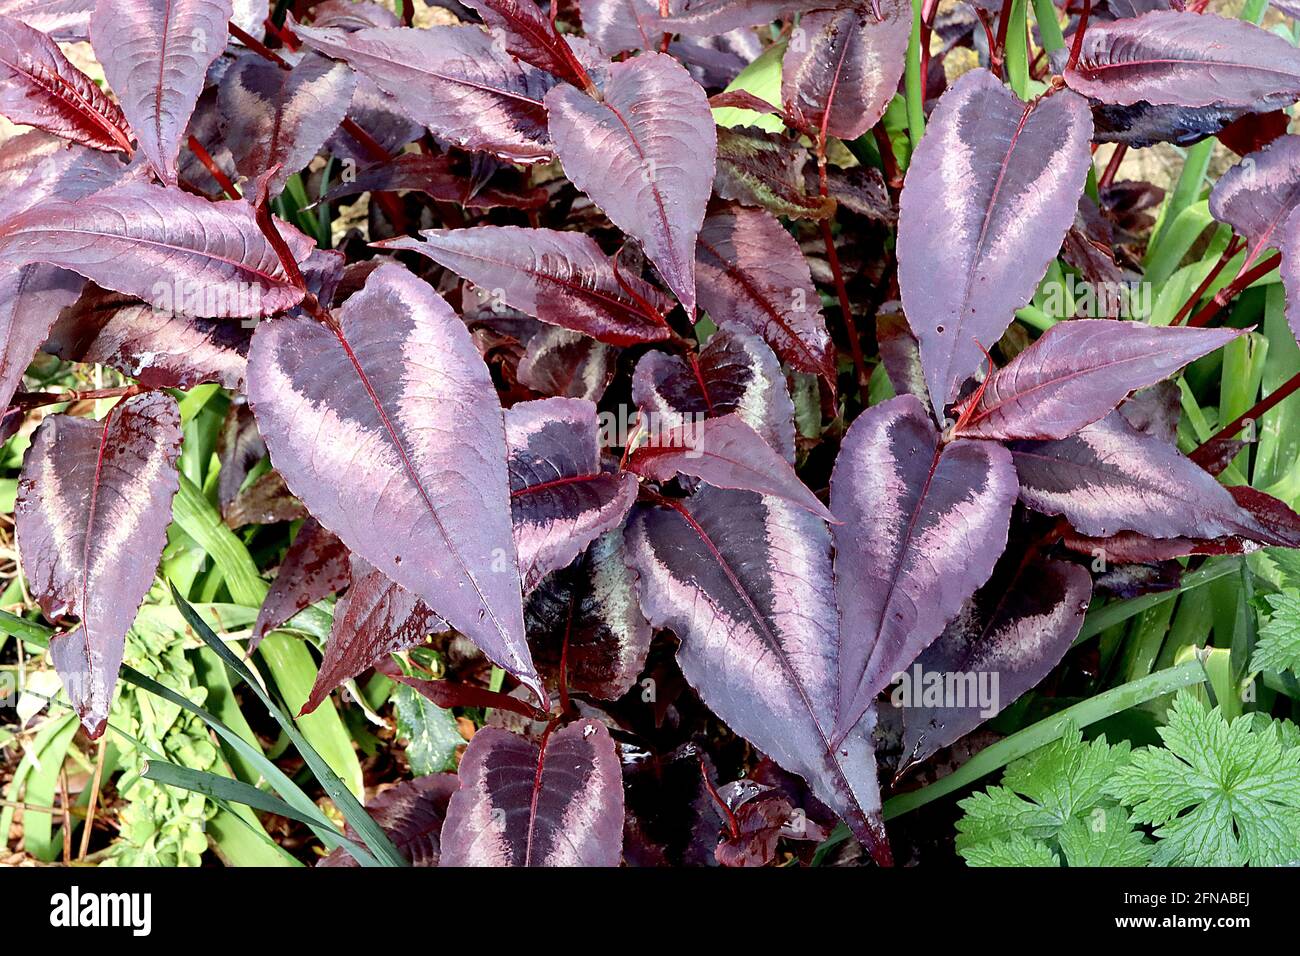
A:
(751, 273)
(1288, 244)
(178, 252)
(584, 620)
(767, 171)
(455, 80)
(39, 87)
(1109, 477)
(159, 349)
(1257, 195)
(560, 277)
(91, 493)
(560, 499)
(645, 154)
(156, 55)
(707, 18)
(923, 524)
(282, 117)
(373, 619)
(530, 35)
(1177, 58)
(843, 74)
(900, 353)
(62, 20)
(745, 583)
(435, 177)
(389, 430)
(620, 26)
(1017, 627)
(568, 364)
(989, 196)
(1077, 373)
(727, 453)
(735, 372)
(411, 813)
(315, 566)
(521, 804)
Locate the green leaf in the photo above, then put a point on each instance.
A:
(430, 732)
(1221, 794)
(1016, 850)
(1105, 837)
(1279, 639)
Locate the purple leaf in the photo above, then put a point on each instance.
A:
(560, 499)
(90, 491)
(1110, 477)
(924, 522)
(530, 35)
(413, 475)
(373, 619)
(620, 26)
(1077, 373)
(727, 453)
(901, 353)
(1179, 58)
(989, 196)
(158, 349)
(1156, 411)
(585, 620)
(766, 171)
(568, 364)
(412, 814)
(266, 500)
(39, 87)
(1017, 627)
(155, 55)
(560, 804)
(433, 176)
(1257, 195)
(1288, 244)
(706, 18)
(176, 251)
(352, 15)
(840, 76)
(315, 566)
(562, 278)
(756, 620)
(751, 273)
(645, 154)
(455, 80)
(760, 815)
(62, 20)
(735, 372)
(282, 117)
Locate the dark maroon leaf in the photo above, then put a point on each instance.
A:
(756, 621)
(373, 619)
(39, 87)
(1254, 131)
(158, 349)
(1280, 524)
(314, 567)
(381, 116)
(645, 154)
(412, 815)
(1186, 59)
(1110, 478)
(90, 491)
(1009, 635)
(413, 476)
(1077, 373)
(1127, 547)
(760, 815)
(560, 804)
(901, 353)
(1155, 411)
(735, 372)
(266, 500)
(560, 499)
(433, 176)
(584, 620)
(60, 19)
(560, 277)
(843, 66)
(1142, 125)
(178, 252)
(155, 55)
(924, 522)
(568, 364)
(530, 35)
(764, 170)
(727, 453)
(706, 18)
(282, 117)
(1257, 195)
(455, 80)
(991, 191)
(751, 273)
(862, 190)
(448, 694)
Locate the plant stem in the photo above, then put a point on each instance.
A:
(1232, 249)
(850, 329)
(1083, 714)
(1234, 288)
(1112, 168)
(37, 399)
(213, 169)
(1260, 408)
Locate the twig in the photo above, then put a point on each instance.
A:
(94, 798)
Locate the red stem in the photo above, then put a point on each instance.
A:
(1112, 168)
(213, 169)
(1234, 288)
(1234, 247)
(733, 825)
(37, 399)
(1077, 47)
(998, 52)
(851, 330)
(1257, 411)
